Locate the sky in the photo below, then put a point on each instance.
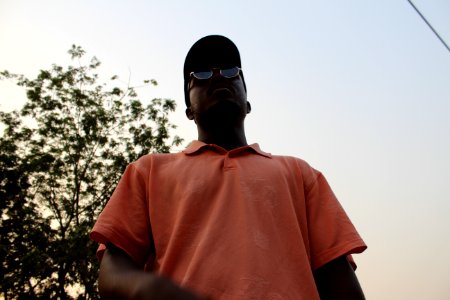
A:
(359, 89)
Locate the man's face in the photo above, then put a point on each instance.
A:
(218, 100)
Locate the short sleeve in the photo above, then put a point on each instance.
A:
(331, 233)
(124, 221)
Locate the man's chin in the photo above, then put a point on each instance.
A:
(225, 106)
(224, 111)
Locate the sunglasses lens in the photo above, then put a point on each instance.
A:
(202, 75)
(229, 73)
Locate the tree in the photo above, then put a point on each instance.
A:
(61, 157)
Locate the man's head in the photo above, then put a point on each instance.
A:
(212, 51)
(214, 86)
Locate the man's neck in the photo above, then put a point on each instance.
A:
(229, 139)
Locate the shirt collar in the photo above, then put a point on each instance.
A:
(195, 147)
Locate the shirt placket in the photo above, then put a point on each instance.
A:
(228, 162)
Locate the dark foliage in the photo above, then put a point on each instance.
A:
(61, 157)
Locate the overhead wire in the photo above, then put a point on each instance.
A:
(429, 25)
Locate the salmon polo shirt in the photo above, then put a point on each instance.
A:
(239, 224)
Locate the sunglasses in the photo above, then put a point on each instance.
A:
(227, 73)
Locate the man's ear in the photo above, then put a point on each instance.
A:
(249, 107)
(189, 113)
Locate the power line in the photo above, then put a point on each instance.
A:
(429, 25)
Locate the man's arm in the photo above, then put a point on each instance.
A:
(121, 278)
(337, 280)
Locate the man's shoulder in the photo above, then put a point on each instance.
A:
(297, 164)
(150, 159)
(291, 159)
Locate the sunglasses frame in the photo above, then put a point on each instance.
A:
(193, 74)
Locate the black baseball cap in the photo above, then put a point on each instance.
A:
(210, 51)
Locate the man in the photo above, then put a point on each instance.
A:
(224, 219)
